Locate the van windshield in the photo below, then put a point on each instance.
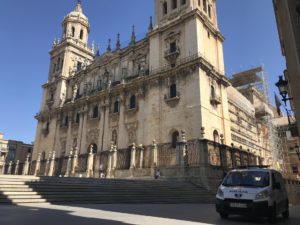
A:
(247, 179)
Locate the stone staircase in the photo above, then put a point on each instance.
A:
(29, 189)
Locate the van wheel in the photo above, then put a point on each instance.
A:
(286, 214)
(224, 215)
(273, 215)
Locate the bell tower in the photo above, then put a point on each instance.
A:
(67, 56)
(184, 28)
(186, 33)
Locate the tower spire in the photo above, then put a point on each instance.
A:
(150, 25)
(108, 47)
(118, 44)
(78, 7)
(133, 37)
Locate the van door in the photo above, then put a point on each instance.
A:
(282, 195)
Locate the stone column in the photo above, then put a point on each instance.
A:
(122, 129)
(114, 158)
(110, 155)
(26, 166)
(69, 163)
(9, 167)
(181, 150)
(17, 167)
(90, 162)
(106, 135)
(52, 163)
(47, 164)
(132, 159)
(141, 156)
(223, 156)
(154, 154)
(69, 134)
(37, 165)
(75, 162)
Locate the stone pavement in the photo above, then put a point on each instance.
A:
(191, 214)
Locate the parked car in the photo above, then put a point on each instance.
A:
(257, 191)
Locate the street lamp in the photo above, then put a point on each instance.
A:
(283, 89)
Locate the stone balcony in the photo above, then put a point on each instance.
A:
(215, 100)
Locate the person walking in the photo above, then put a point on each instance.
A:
(157, 174)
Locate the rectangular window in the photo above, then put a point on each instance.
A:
(209, 11)
(205, 5)
(295, 169)
(173, 47)
(79, 65)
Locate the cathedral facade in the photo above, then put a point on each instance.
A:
(156, 93)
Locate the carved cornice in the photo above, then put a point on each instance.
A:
(183, 69)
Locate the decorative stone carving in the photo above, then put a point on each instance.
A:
(131, 131)
(92, 135)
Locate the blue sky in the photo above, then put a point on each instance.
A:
(29, 27)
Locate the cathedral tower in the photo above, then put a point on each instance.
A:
(186, 31)
(67, 56)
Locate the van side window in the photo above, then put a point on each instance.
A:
(273, 180)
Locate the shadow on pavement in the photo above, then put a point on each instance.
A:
(199, 213)
(25, 215)
(4, 199)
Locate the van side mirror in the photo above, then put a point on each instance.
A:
(277, 186)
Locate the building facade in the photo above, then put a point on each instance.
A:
(3, 152)
(291, 167)
(287, 14)
(153, 102)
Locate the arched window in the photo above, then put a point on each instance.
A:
(73, 31)
(175, 136)
(132, 104)
(116, 107)
(165, 8)
(95, 112)
(94, 148)
(174, 4)
(183, 2)
(216, 136)
(212, 92)
(114, 137)
(81, 34)
(173, 91)
(205, 5)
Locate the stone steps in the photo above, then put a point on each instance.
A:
(20, 189)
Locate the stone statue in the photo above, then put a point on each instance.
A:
(75, 89)
(63, 99)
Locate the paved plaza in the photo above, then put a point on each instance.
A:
(191, 214)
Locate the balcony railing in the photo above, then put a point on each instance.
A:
(172, 53)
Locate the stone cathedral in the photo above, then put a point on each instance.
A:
(160, 102)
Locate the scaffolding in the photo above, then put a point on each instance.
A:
(253, 84)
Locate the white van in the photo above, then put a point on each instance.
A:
(253, 190)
